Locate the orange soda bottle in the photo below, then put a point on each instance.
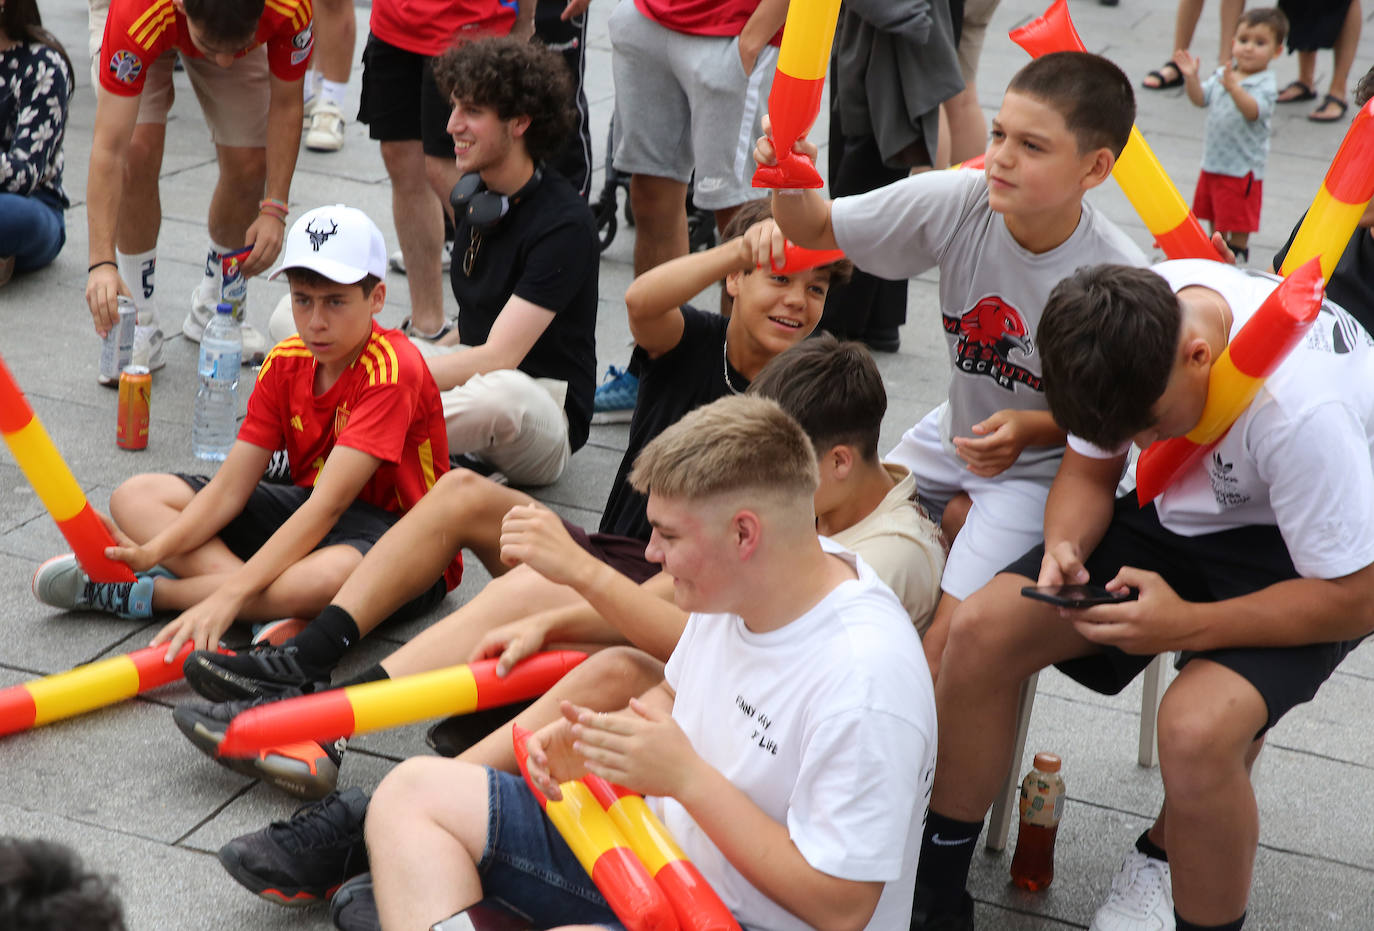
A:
(1042, 802)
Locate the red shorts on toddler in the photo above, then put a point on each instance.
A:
(1231, 204)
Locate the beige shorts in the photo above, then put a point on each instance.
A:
(234, 99)
(977, 14)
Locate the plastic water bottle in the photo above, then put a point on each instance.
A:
(217, 399)
(1042, 803)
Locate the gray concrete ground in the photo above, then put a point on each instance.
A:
(123, 787)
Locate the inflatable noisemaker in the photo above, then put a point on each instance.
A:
(86, 688)
(695, 903)
(1142, 178)
(798, 85)
(797, 259)
(55, 485)
(601, 849)
(1237, 375)
(1345, 192)
(375, 706)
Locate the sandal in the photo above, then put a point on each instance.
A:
(1331, 100)
(1304, 92)
(1161, 82)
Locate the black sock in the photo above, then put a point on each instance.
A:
(371, 674)
(1150, 848)
(946, 853)
(325, 640)
(1182, 924)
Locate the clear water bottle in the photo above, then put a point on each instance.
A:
(217, 399)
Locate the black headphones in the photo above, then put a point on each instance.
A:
(483, 208)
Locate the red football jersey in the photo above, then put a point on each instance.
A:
(137, 32)
(385, 404)
(431, 27)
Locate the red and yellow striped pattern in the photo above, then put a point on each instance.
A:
(149, 27)
(55, 485)
(1237, 376)
(297, 12)
(798, 85)
(85, 688)
(379, 358)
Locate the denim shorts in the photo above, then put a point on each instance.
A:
(528, 869)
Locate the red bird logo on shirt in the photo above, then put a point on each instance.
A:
(986, 334)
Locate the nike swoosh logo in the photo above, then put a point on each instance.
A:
(939, 841)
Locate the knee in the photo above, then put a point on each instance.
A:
(654, 197)
(1201, 747)
(420, 790)
(403, 161)
(328, 574)
(243, 167)
(983, 639)
(134, 496)
(457, 491)
(623, 671)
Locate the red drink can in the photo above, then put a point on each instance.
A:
(135, 389)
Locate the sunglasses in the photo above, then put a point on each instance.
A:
(470, 254)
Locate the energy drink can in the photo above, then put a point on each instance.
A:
(135, 390)
(233, 285)
(118, 349)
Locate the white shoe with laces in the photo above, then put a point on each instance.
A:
(202, 309)
(1142, 897)
(326, 130)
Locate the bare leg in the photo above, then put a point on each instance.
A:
(1230, 19)
(426, 829)
(1207, 726)
(335, 35)
(1159, 830)
(660, 209)
(140, 209)
(419, 218)
(442, 174)
(1344, 51)
(1185, 22)
(937, 634)
(996, 639)
(234, 204)
(968, 128)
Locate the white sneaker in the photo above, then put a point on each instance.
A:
(193, 328)
(1142, 897)
(325, 132)
(148, 346)
(306, 110)
(398, 261)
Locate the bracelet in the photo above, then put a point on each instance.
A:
(92, 268)
(271, 203)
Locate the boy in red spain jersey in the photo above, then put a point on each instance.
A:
(246, 60)
(359, 416)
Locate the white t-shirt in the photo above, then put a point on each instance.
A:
(1299, 456)
(992, 290)
(828, 724)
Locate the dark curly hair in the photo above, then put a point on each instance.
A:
(44, 887)
(515, 79)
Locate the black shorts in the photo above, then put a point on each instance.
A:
(400, 100)
(623, 554)
(1209, 567)
(271, 505)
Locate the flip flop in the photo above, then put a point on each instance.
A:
(1304, 92)
(1330, 100)
(1163, 82)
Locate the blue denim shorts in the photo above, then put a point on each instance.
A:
(528, 868)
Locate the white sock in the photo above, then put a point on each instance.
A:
(138, 269)
(209, 287)
(332, 92)
(312, 85)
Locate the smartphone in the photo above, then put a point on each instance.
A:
(481, 917)
(1077, 596)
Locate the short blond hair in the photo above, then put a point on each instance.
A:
(738, 443)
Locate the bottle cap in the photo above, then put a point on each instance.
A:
(224, 308)
(1047, 762)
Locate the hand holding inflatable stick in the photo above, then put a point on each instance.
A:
(798, 85)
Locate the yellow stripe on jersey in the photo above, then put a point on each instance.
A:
(290, 348)
(150, 33)
(371, 369)
(156, 8)
(390, 351)
(385, 361)
(426, 454)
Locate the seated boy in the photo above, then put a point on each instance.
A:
(692, 358)
(359, 416)
(766, 777)
(1255, 562)
(1001, 239)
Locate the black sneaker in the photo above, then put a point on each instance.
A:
(264, 671)
(306, 769)
(307, 858)
(354, 908)
(922, 919)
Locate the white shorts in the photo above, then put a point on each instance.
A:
(683, 102)
(1006, 520)
(507, 419)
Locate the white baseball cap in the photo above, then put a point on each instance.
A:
(341, 243)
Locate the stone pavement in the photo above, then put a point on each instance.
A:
(123, 787)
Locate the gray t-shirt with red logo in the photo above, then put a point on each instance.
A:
(992, 290)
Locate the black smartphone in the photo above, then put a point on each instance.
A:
(1077, 596)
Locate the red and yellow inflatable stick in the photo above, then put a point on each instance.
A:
(375, 706)
(603, 851)
(1345, 193)
(1237, 376)
(55, 485)
(696, 904)
(797, 259)
(798, 85)
(85, 688)
(1142, 178)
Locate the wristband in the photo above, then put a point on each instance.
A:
(271, 203)
(92, 268)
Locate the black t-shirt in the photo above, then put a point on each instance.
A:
(684, 378)
(545, 251)
(1352, 282)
